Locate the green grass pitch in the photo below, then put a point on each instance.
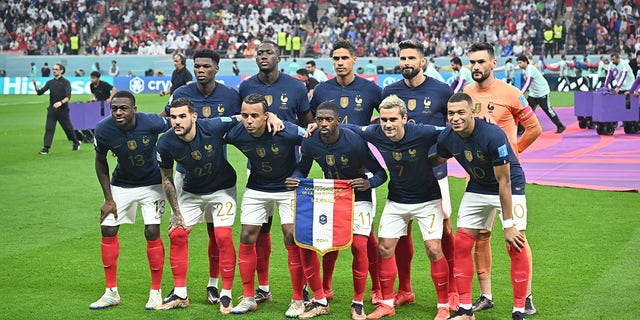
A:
(585, 243)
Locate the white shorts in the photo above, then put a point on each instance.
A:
(477, 211)
(396, 216)
(257, 206)
(363, 215)
(151, 200)
(178, 182)
(218, 207)
(446, 197)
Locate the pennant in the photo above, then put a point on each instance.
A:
(323, 215)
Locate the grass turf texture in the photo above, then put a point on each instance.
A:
(585, 243)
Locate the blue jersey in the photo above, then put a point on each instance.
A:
(486, 148)
(426, 103)
(355, 102)
(223, 101)
(272, 158)
(206, 169)
(412, 179)
(136, 149)
(348, 158)
(287, 97)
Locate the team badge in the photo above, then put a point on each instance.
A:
(330, 159)
(145, 140)
(261, 152)
(269, 99)
(196, 155)
(284, 98)
(344, 159)
(344, 102)
(275, 149)
(490, 107)
(412, 152)
(477, 108)
(479, 155)
(322, 219)
(358, 99)
(220, 110)
(206, 112)
(427, 102)
(468, 155)
(132, 144)
(208, 148)
(411, 104)
(397, 155)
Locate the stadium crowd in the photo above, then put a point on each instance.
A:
(235, 28)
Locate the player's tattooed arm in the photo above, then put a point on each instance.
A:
(172, 196)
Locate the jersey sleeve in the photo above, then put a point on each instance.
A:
(524, 114)
(164, 157)
(99, 144)
(304, 166)
(441, 146)
(499, 147)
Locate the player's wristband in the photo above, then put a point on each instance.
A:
(508, 223)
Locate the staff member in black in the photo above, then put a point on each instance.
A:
(180, 75)
(58, 110)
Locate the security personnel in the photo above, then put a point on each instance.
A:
(548, 42)
(558, 40)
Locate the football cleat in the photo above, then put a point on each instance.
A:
(246, 305)
(174, 301)
(213, 296)
(110, 298)
(295, 309)
(382, 310)
(483, 303)
(155, 300)
(315, 309)
(262, 296)
(403, 297)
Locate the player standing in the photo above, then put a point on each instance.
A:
(132, 137)
(272, 159)
(287, 98)
(508, 107)
(343, 155)
(357, 98)
(496, 182)
(414, 194)
(210, 99)
(425, 99)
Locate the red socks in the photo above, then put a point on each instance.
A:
(179, 256)
(263, 252)
(359, 266)
(463, 268)
(388, 271)
(110, 248)
(214, 256)
(311, 266)
(404, 255)
(227, 256)
(328, 265)
(520, 272)
(440, 277)
(447, 249)
(296, 271)
(155, 254)
(247, 264)
(372, 254)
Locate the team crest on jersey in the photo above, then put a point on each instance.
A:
(412, 153)
(358, 101)
(490, 108)
(344, 102)
(206, 112)
(330, 159)
(269, 99)
(261, 152)
(132, 144)
(344, 159)
(479, 155)
(209, 149)
(477, 108)
(196, 155)
(220, 110)
(283, 98)
(468, 155)
(275, 149)
(411, 104)
(397, 155)
(427, 104)
(145, 140)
